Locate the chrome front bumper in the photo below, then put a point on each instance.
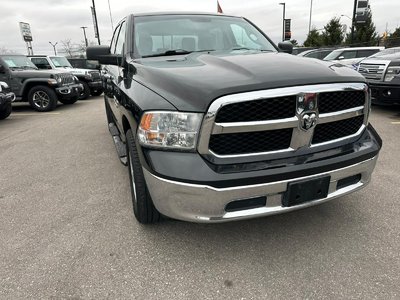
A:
(206, 204)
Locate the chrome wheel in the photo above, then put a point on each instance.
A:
(41, 99)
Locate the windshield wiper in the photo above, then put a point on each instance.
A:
(176, 52)
(250, 49)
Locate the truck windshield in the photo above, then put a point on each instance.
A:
(18, 62)
(182, 34)
(60, 62)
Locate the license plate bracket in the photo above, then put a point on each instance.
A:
(307, 190)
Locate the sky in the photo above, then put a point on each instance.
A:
(56, 20)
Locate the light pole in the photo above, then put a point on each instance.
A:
(95, 22)
(309, 24)
(346, 17)
(284, 11)
(84, 34)
(353, 21)
(54, 47)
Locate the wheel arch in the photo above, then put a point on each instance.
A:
(29, 85)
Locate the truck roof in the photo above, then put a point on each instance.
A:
(166, 13)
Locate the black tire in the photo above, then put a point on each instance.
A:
(42, 98)
(143, 206)
(96, 92)
(5, 112)
(86, 91)
(68, 101)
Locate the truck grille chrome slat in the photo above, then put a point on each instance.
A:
(67, 79)
(95, 75)
(337, 112)
(372, 71)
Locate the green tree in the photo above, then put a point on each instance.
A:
(393, 39)
(333, 33)
(364, 33)
(313, 39)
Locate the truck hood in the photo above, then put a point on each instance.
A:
(75, 71)
(35, 73)
(193, 81)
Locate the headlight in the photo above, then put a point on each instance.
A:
(52, 81)
(58, 79)
(169, 130)
(3, 85)
(392, 72)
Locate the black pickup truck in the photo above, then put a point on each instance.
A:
(216, 124)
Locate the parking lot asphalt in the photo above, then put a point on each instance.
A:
(67, 229)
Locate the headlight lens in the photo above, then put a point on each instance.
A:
(169, 130)
(59, 79)
(392, 72)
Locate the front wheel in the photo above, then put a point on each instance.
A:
(143, 206)
(5, 112)
(42, 98)
(86, 91)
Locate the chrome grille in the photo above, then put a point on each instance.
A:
(341, 113)
(264, 109)
(372, 71)
(67, 79)
(95, 75)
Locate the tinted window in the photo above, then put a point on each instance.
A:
(41, 62)
(366, 53)
(348, 54)
(121, 40)
(114, 39)
(324, 53)
(313, 55)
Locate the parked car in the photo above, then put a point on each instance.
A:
(383, 76)
(41, 89)
(351, 56)
(6, 97)
(83, 63)
(216, 124)
(90, 79)
(298, 50)
(320, 53)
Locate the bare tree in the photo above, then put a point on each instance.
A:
(4, 50)
(67, 47)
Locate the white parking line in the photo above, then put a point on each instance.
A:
(395, 123)
(34, 114)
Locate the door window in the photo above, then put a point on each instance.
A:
(41, 62)
(114, 40)
(366, 53)
(121, 40)
(349, 54)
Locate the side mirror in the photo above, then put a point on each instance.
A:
(103, 55)
(286, 47)
(341, 57)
